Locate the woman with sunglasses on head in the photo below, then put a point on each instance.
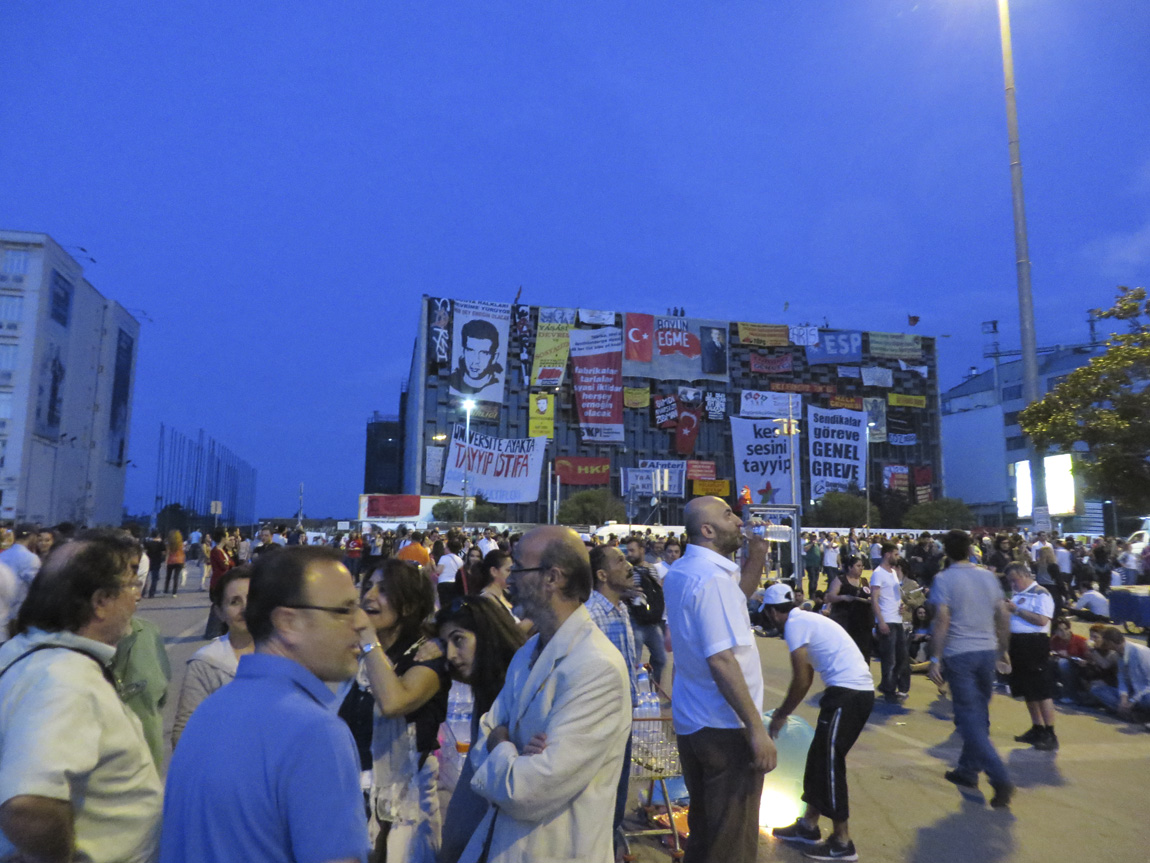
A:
(479, 640)
(394, 707)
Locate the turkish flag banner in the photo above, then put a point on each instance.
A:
(688, 431)
(639, 335)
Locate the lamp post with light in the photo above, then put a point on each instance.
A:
(866, 472)
(1030, 393)
(468, 406)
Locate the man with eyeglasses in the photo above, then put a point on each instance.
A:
(548, 753)
(266, 770)
(77, 780)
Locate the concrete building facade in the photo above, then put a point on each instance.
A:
(431, 405)
(67, 369)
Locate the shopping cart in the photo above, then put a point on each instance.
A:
(655, 758)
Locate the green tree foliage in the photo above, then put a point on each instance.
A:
(947, 512)
(480, 510)
(1106, 405)
(838, 509)
(594, 506)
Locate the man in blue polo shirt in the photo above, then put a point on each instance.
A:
(266, 770)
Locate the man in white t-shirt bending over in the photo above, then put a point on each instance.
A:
(886, 597)
(817, 643)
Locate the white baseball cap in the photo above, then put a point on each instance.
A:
(777, 594)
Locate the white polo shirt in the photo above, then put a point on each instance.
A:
(707, 613)
(65, 735)
(832, 652)
(1036, 599)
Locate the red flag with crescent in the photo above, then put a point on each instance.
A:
(638, 337)
(688, 430)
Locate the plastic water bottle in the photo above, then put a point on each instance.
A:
(460, 702)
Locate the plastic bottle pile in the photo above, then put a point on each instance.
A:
(653, 747)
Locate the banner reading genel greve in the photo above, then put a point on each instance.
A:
(503, 470)
(596, 368)
(836, 441)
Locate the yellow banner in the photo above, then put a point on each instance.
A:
(637, 397)
(899, 400)
(717, 487)
(897, 346)
(764, 335)
(541, 415)
(551, 346)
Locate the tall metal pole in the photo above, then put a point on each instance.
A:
(468, 406)
(866, 471)
(1030, 391)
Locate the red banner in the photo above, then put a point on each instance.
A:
(638, 337)
(793, 387)
(583, 470)
(687, 431)
(700, 470)
(392, 505)
(666, 411)
(597, 380)
(761, 365)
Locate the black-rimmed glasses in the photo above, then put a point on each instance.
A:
(515, 568)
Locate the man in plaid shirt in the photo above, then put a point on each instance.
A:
(608, 608)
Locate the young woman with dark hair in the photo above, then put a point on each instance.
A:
(479, 640)
(394, 707)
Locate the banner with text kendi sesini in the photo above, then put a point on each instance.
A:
(763, 459)
(503, 470)
(836, 441)
(597, 380)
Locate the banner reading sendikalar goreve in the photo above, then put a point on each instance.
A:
(836, 444)
(503, 470)
(763, 459)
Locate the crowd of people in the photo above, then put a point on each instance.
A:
(309, 726)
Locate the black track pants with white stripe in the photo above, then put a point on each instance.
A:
(842, 715)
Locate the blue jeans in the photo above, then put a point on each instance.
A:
(971, 679)
(895, 660)
(651, 635)
(1108, 697)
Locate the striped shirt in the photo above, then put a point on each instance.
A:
(615, 623)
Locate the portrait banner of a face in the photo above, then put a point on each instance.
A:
(479, 350)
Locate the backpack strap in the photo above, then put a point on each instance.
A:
(107, 672)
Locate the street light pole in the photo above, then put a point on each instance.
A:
(866, 470)
(1030, 391)
(469, 406)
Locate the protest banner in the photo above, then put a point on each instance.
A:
(550, 362)
(700, 470)
(803, 387)
(896, 477)
(715, 487)
(764, 335)
(851, 403)
(877, 376)
(836, 443)
(876, 418)
(433, 464)
(780, 365)
(636, 397)
(666, 411)
(438, 331)
(583, 470)
(503, 470)
(763, 459)
(541, 415)
(596, 357)
(836, 346)
(681, 349)
(715, 405)
(896, 346)
(905, 401)
(479, 350)
(756, 403)
(640, 480)
(595, 316)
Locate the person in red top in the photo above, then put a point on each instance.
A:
(1072, 653)
(222, 561)
(352, 554)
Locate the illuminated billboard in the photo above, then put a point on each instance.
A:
(1059, 486)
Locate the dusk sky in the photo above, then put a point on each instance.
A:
(271, 186)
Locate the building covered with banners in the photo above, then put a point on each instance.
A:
(666, 406)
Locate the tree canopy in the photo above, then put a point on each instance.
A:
(838, 509)
(594, 506)
(946, 512)
(1106, 405)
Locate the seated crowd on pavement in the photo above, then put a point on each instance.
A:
(317, 710)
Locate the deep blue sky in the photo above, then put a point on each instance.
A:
(275, 183)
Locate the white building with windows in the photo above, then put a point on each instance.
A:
(984, 450)
(67, 365)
